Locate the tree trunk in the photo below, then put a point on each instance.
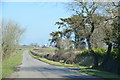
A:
(106, 58)
(95, 64)
(118, 59)
(89, 44)
(118, 71)
(95, 59)
(76, 42)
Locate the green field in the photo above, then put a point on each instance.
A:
(45, 50)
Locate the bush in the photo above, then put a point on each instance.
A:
(85, 58)
(11, 34)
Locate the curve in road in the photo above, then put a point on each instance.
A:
(33, 68)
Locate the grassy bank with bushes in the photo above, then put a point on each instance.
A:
(87, 70)
(54, 63)
(112, 64)
(10, 65)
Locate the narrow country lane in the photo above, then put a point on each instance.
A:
(33, 68)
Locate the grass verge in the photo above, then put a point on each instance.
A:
(101, 74)
(9, 65)
(87, 70)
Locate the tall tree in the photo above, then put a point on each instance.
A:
(111, 29)
(87, 13)
(92, 18)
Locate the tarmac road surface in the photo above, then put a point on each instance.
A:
(33, 68)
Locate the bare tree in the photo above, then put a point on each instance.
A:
(11, 34)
